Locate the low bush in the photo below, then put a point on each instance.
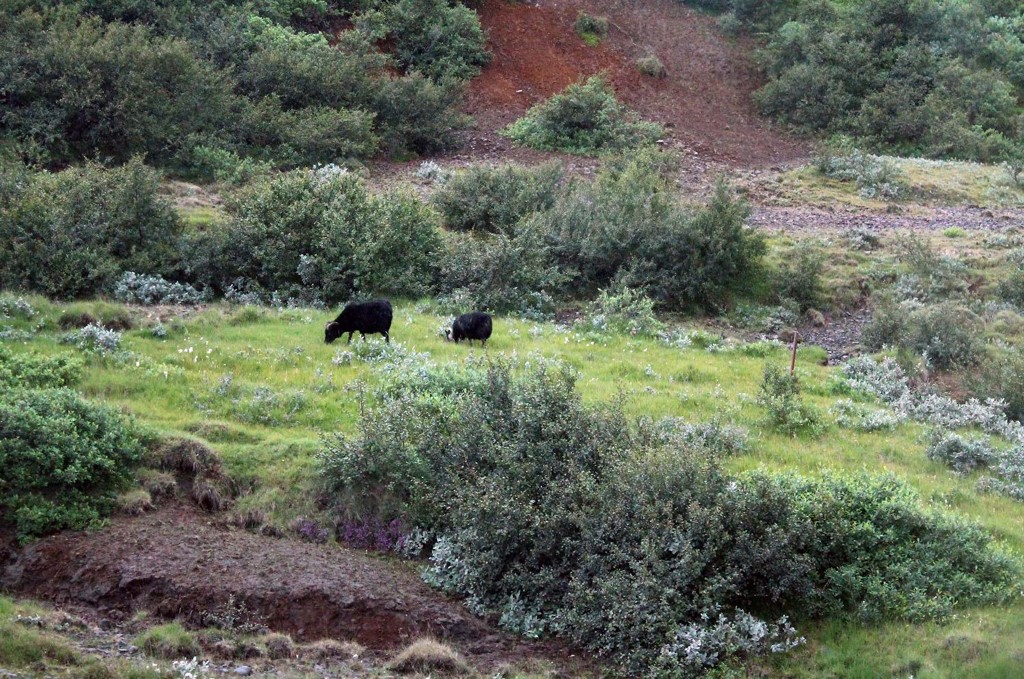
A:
(947, 335)
(501, 273)
(495, 199)
(874, 177)
(94, 338)
(651, 65)
(925, 275)
(888, 326)
(623, 310)
(31, 371)
(1001, 376)
(799, 277)
(960, 454)
(584, 118)
(72, 234)
(136, 288)
(63, 458)
(591, 28)
(558, 517)
(780, 396)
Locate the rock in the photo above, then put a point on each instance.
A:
(815, 318)
(243, 670)
(786, 336)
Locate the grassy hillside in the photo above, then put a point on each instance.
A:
(261, 388)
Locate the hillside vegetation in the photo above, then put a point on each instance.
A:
(630, 469)
(940, 78)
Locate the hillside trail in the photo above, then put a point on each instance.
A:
(178, 562)
(704, 100)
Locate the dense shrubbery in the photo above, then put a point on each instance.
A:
(495, 199)
(73, 233)
(584, 118)
(63, 458)
(938, 77)
(507, 273)
(320, 234)
(315, 236)
(567, 519)
(627, 226)
(441, 40)
(28, 371)
(232, 82)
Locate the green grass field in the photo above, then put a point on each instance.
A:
(262, 388)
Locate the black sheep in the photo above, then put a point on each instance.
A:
(476, 325)
(363, 317)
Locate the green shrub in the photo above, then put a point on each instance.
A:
(224, 90)
(591, 28)
(38, 372)
(135, 92)
(875, 177)
(319, 233)
(504, 273)
(623, 310)
(626, 226)
(63, 460)
(494, 199)
(1011, 289)
(583, 118)
(933, 78)
(799, 277)
(555, 516)
(71, 234)
(1001, 376)
(417, 114)
(947, 335)
(439, 39)
(888, 326)
(780, 396)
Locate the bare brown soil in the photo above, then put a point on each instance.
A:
(704, 101)
(177, 563)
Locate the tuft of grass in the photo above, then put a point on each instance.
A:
(279, 646)
(208, 496)
(331, 649)
(428, 656)
(954, 232)
(188, 456)
(651, 65)
(169, 641)
(157, 483)
(135, 502)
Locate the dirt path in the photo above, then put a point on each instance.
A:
(923, 219)
(176, 563)
(704, 101)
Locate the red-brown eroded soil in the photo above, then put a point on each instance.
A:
(704, 101)
(176, 563)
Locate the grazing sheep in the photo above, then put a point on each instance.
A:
(365, 317)
(475, 325)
